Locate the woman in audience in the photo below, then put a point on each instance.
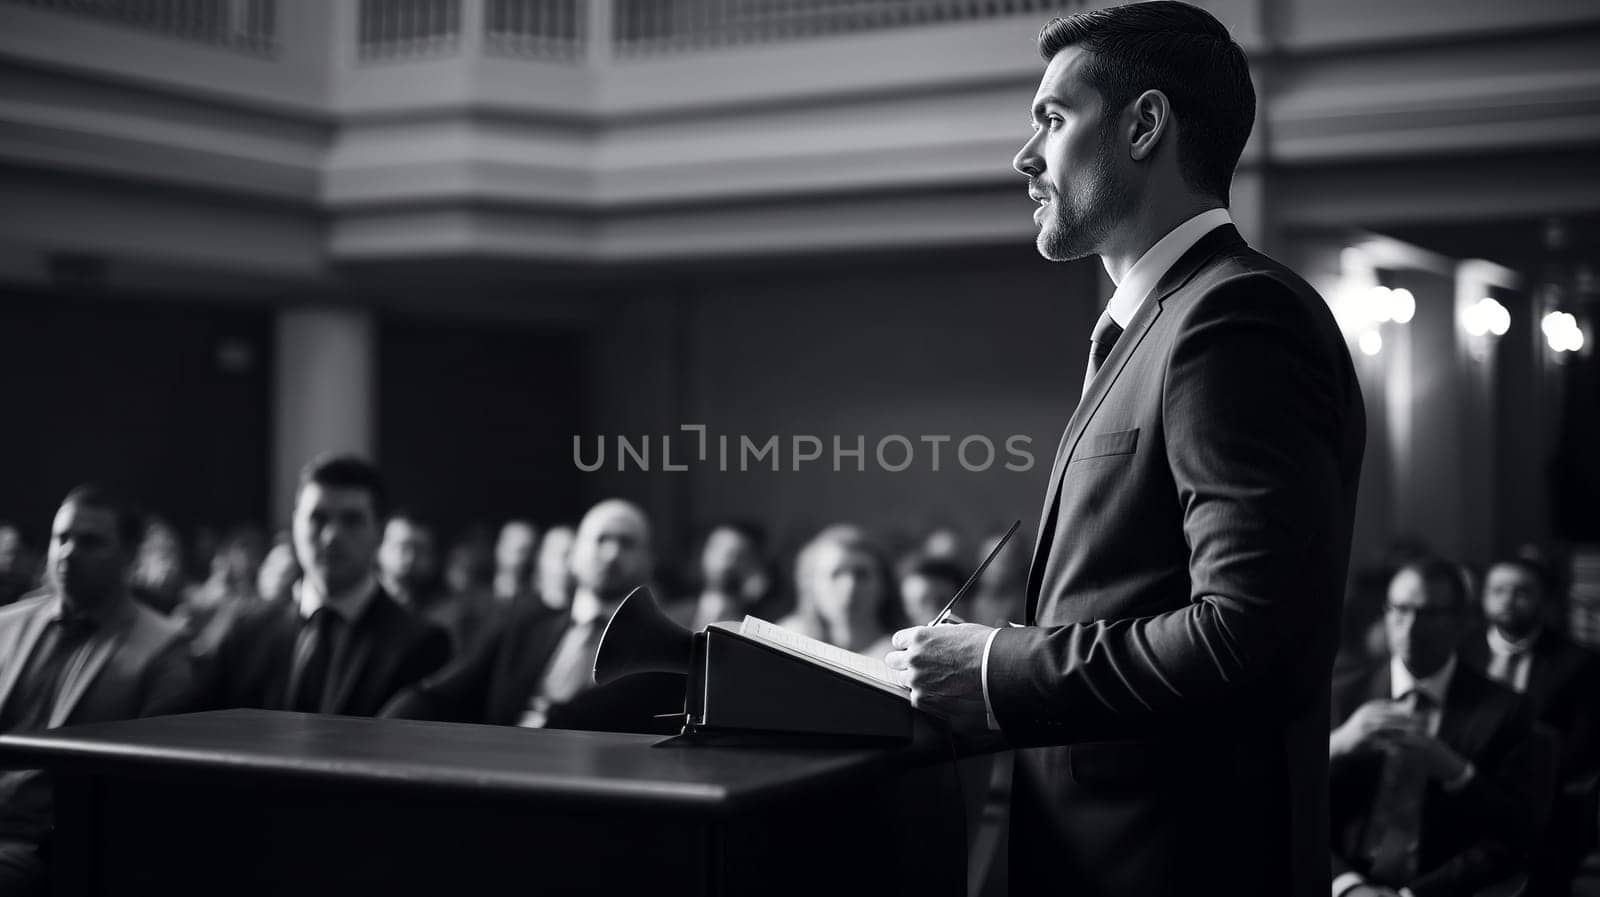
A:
(846, 592)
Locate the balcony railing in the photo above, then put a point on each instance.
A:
(647, 27)
(246, 25)
(407, 29)
(541, 29)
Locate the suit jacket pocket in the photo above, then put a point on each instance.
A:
(1099, 445)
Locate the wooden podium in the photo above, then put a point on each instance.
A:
(260, 802)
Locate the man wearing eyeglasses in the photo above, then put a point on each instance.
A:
(1424, 762)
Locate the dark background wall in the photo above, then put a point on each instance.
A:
(164, 400)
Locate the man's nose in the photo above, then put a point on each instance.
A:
(1027, 160)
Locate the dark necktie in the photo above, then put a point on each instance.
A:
(1101, 342)
(1396, 824)
(315, 661)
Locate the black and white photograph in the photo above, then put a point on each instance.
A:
(944, 448)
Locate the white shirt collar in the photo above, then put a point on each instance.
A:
(349, 604)
(1499, 644)
(587, 607)
(1401, 681)
(1157, 260)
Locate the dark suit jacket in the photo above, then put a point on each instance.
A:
(387, 649)
(495, 679)
(1185, 595)
(1471, 838)
(140, 667)
(1563, 686)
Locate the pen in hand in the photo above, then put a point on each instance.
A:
(944, 615)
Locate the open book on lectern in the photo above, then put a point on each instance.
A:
(871, 671)
(758, 677)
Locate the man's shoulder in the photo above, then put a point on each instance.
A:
(392, 624)
(1240, 267)
(25, 607)
(1484, 695)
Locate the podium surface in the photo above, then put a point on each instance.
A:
(263, 802)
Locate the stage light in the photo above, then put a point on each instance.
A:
(1371, 342)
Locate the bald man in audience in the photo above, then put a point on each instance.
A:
(537, 668)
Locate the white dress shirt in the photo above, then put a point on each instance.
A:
(1510, 660)
(1125, 302)
(1435, 686)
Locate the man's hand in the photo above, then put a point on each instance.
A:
(1370, 726)
(943, 667)
(1441, 763)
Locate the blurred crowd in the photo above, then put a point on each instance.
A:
(1464, 738)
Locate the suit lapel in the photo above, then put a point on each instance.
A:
(369, 630)
(1176, 277)
(18, 648)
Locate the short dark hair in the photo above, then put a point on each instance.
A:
(1439, 570)
(1182, 51)
(346, 472)
(130, 521)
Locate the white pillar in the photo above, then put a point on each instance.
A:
(324, 392)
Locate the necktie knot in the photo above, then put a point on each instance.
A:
(1101, 342)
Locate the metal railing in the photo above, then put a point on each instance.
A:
(643, 27)
(246, 25)
(407, 29)
(538, 29)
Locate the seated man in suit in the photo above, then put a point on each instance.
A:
(342, 645)
(80, 650)
(1561, 681)
(537, 667)
(1425, 770)
(408, 568)
(1518, 650)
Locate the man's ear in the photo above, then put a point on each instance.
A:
(1152, 118)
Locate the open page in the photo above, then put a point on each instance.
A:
(870, 670)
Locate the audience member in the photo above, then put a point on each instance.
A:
(927, 584)
(555, 583)
(343, 645)
(537, 667)
(279, 571)
(81, 651)
(847, 592)
(470, 565)
(733, 575)
(513, 560)
(210, 608)
(17, 577)
(408, 568)
(158, 578)
(1426, 768)
(1521, 649)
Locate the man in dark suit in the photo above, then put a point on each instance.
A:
(80, 650)
(342, 645)
(1183, 604)
(1517, 649)
(1427, 761)
(1520, 650)
(536, 667)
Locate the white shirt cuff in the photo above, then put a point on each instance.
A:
(1346, 881)
(988, 705)
(1405, 892)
